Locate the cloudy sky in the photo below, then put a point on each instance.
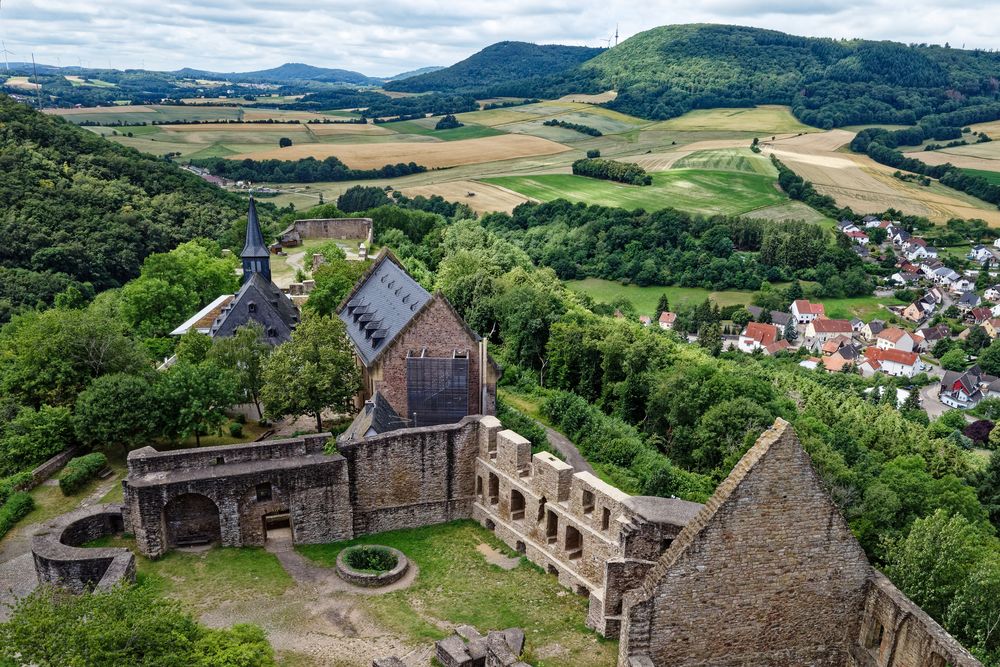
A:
(390, 36)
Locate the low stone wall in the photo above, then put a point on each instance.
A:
(326, 228)
(60, 560)
(47, 469)
(372, 579)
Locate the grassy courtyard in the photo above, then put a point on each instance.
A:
(457, 585)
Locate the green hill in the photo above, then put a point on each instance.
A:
(497, 64)
(76, 208)
(670, 70)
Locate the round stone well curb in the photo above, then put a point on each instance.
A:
(371, 579)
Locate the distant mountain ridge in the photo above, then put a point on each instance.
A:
(497, 64)
(286, 72)
(416, 72)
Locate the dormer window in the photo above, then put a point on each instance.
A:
(252, 307)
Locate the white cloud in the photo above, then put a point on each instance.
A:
(397, 35)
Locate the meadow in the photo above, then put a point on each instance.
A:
(767, 119)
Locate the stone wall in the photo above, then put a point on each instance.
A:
(894, 632)
(327, 228)
(47, 469)
(224, 494)
(59, 559)
(585, 531)
(414, 477)
(770, 574)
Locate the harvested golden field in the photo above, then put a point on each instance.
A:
(765, 119)
(486, 198)
(431, 155)
(20, 82)
(124, 108)
(814, 142)
(957, 159)
(323, 130)
(250, 113)
(600, 98)
(236, 127)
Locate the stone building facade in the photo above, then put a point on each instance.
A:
(766, 573)
(772, 550)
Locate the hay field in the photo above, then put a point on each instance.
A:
(959, 160)
(765, 119)
(431, 155)
(729, 159)
(340, 129)
(866, 186)
(600, 98)
(101, 111)
(20, 82)
(487, 198)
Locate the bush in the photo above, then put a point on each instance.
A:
(81, 470)
(16, 508)
(371, 559)
(9, 485)
(521, 423)
(593, 153)
(236, 429)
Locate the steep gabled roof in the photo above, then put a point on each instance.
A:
(259, 300)
(381, 304)
(254, 246)
(831, 326)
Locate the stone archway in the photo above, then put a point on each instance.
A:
(191, 519)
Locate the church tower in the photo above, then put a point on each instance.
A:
(256, 257)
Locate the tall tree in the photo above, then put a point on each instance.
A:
(312, 372)
(193, 399)
(244, 354)
(116, 410)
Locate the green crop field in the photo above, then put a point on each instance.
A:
(705, 191)
(741, 160)
(763, 119)
(425, 127)
(991, 176)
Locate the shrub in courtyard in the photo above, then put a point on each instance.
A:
(81, 470)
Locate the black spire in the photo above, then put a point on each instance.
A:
(256, 257)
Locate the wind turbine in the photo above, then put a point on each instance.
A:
(616, 34)
(6, 53)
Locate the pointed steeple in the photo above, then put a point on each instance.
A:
(256, 256)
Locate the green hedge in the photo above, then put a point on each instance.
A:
(16, 508)
(18, 482)
(81, 470)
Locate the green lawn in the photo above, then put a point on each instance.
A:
(863, 307)
(742, 160)
(456, 585)
(419, 127)
(704, 191)
(645, 298)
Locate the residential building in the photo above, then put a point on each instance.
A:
(992, 294)
(667, 320)
(821, 330)
(757, 335)
(969, 301)
(980, 253)
(805, 312)
(891, 362)
(894, 338)
(965, 389)
(778, 318)
(872, 329)
(645, 320)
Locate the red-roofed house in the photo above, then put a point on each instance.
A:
(805, 312)
(644, 320)
(891, 362)
(822, 330)
(894, 338)
(858, 237)
(667, 320)
(776, 347)
(757, 335)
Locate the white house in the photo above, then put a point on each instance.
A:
(757, 335)
(822, 330)
(891, 362)
(962, 285)
(805, 312)
(992, 294)
(894, 338)
(980, 253)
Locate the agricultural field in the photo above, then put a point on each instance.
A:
(726, 182)
(866, 186)
(20, 82)
(985, 157)
(93, 83)
(480, 197)
(991, 176)
(425, 127)
(770, 119)
(433, 155)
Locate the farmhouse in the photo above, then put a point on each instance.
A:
(667, 320)
(822, 330)
(415, 351)
(756, 336)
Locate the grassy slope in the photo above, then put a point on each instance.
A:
(772, 119)
(469, 131)
(991, 176)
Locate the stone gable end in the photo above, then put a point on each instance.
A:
(768, 574)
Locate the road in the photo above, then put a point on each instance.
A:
(564, 446)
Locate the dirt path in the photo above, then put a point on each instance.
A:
(564, 446)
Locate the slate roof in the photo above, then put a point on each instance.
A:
(380, 306)
(259, 300)
(778, 317)
(377, 416)
(254, 246)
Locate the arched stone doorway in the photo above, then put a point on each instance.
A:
(191, 519)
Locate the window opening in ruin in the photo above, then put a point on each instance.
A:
(490, 525)
(519, 547)
(588, 502)
(665, 544)
(263, 492)
(937, 661)
(541, 510)
(479, 487)
(605, 519)
(551, 526)
(551, 569)
(583, 590)
(494, 489)
(873, 640)
(574, 543)
(219, 460)
(516, 505)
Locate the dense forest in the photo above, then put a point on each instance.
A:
(668, 247)
(305, 170)
(667, 71)
(76, 208)
(497, 63)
